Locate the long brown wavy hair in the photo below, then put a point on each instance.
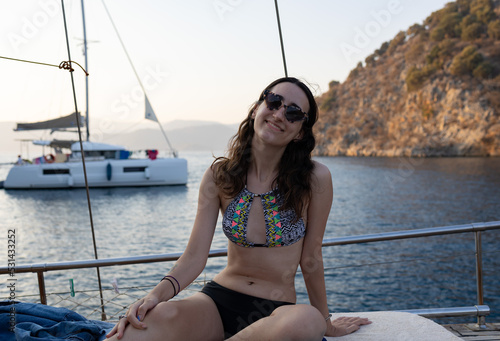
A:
(295, 168)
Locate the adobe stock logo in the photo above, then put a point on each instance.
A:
(153, 79)
(122, 106)
(30, 26)
(363, 36)
(224, 6)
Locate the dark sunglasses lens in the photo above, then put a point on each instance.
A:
(273, 101)
(293, 114)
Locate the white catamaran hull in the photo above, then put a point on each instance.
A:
(104, 173)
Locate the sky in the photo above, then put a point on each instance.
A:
(197, 59)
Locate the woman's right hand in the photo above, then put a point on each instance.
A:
(135, 314)
(345, 325)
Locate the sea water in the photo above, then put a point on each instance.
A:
(371, 195)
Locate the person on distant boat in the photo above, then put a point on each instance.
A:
(19, 160)
(275, 202)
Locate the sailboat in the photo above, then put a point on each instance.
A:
(107, 165)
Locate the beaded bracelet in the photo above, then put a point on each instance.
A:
(173, 285)
(328, 317)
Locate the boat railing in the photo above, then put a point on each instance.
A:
(480, 310)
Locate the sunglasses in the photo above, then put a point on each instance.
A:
(292, 112)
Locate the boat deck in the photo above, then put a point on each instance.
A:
(110, 302)
(470, 332)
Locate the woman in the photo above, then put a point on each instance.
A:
(275, 201)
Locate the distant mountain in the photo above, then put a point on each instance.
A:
(433, 90)
(183, 135)
(181, 124)
(210, 136)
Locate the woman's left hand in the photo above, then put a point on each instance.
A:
(345, 325)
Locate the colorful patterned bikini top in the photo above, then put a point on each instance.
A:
(282, 227)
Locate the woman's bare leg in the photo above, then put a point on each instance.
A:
(299, 322)
(193, 318)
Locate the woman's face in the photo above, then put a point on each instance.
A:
(271, 126)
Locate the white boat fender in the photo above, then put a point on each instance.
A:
(71, 182)
(147, 173)
(109, 171)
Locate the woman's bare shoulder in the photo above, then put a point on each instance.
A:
(321, 175)
(208, 182)
(214, 168)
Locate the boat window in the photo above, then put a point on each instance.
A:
(55, 171)
(133, 169)
(108, 154)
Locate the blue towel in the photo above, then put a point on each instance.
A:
(38, 322)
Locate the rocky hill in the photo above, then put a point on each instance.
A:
(433, 90)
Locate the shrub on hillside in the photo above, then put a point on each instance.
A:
(382, 49)
(484, 70)
(329, 99)
(494, 29)
(335, 83)
(429, 70)
(370, 60)
(414, 79)
(466, 61)
(415, 29)
(414, 52)
(450, 23)
(328, 104)
(471, 28)
(435, 18)
(447, 24)
(398, 40)
(468, 20)
(483, 10)
(462, 6)
(440, 53)
(471, 32)
(355, 72)
(437, 34)
(426, 107)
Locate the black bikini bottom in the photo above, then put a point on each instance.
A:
(238, 310)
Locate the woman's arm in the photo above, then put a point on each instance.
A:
(311, 262)
(193, 260)
(190, 264)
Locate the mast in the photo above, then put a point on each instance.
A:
(86, 78)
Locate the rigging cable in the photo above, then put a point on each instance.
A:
(137, 76)
(78, 119)
(281, 36)
(66, 65)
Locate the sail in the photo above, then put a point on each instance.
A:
(55, 124)
(150, 114)
(55, 143)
